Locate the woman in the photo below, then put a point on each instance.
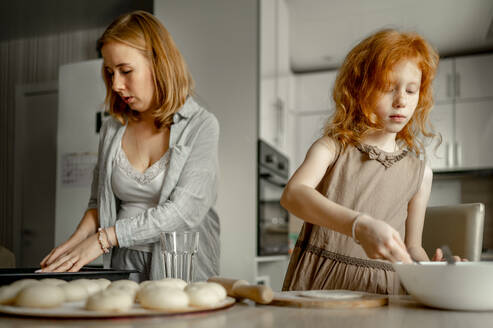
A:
(157, 162)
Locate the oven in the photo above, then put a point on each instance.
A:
(272, 218)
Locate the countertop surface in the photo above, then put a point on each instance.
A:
(401, 312)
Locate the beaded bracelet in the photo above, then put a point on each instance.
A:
(102, 243)
(353, 228)
(107, 238)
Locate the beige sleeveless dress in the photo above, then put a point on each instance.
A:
(368, 180)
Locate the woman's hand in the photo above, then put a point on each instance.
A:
(59, 250)
(74, 259)
(380, 240)
(438, 257)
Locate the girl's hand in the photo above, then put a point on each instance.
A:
(74, 259)
(438, 257)
(380, 240)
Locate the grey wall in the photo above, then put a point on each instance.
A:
(219, 40)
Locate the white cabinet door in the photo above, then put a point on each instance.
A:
(268, 39)
(474, 134)
(474, 76)
(443, 87)
(314, 91)
(267, 116)
(442, 118)
(275, 74)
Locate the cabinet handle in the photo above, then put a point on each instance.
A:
(279, 105)
(458, 154)
(449, 85)
(449, 154)
(457, 85)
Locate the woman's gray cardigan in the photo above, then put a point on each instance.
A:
(187, 196)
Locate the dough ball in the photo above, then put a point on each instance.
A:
(113, 300)
(74, 292)
(172, 282)
(167, 282)
(53, 281)
(164, 298)
(40, 296)
(103, 283)
(91, 285)
(19, 284)
(8, 294)
(127, 286)
(205, 294)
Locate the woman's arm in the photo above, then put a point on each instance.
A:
(300, 197)
(415, 217)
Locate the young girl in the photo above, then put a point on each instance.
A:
(362, 190)
(157, 163)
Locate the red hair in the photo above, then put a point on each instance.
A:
(365, 72)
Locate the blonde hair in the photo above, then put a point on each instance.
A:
(172, 80)
(365, 72)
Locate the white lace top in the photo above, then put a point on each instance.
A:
(137, 191)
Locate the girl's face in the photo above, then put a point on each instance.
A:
(395, 106)
(131, 75)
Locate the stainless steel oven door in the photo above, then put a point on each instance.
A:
(273, 225)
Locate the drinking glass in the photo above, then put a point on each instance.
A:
(179, 249)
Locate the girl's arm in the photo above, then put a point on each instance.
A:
(416, 216)
(300, 197)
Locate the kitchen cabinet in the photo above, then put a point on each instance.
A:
(474, 77)
(463, 113)
(275, 73)
(440, 155)
(314, 91)
(474, 134)
(312, 107)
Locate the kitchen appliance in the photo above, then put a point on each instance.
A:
(272, 218)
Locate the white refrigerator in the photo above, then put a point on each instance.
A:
(80, 107)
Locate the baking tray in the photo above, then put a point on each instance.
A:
(8, 276)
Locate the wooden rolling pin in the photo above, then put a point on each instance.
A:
(242, 289)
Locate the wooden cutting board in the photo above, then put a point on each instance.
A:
(329, 299)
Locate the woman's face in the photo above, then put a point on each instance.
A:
(131, 75)
(395, 106)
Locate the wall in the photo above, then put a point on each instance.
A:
(219, 40)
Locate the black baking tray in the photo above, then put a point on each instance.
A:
(8, 276)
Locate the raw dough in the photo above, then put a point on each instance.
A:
(205, 294)
(40, 296)
(19, 284)
(103, 283)
(166, 282)
(53, 281)
(91, 285)
(74, 291)
(109, 300)
(8, 294)
(128, 286)
(164, 298)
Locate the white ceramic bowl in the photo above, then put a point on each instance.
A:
(464, 286)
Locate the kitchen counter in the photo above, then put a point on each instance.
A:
(401, 312)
